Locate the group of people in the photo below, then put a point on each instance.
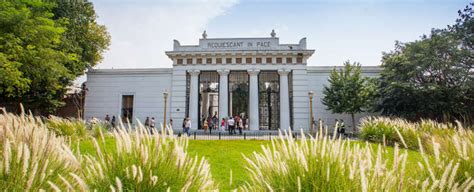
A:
(338, 125)
(150, 123)
(212, 123)
(112, 122)
(236, 122)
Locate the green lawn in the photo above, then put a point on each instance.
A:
(227, 155)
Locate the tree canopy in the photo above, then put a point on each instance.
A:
(431, 77)
(44, 46)
(348, 91)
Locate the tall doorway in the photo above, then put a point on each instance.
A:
(208, 96)
(238, 93)
(269, 100)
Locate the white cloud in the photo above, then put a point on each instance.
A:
(143, 30)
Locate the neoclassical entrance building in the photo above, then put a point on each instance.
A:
(257, 78)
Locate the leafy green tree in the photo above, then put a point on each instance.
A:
(31, 64)
(42, 53)
(432, 77)
(84, 36)
(348, 91)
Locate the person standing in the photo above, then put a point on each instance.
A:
(147, 122)
(223, 124)
(241, 125)
(205, 125)
(107, 119)
(215, 122)
(336, 126)
(152, 125)
(113, 122)
(231, 124)
(187, 126)
(342, 128)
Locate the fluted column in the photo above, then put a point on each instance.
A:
(194, 99)
(284, 100)
(223, 93)
(253, 97)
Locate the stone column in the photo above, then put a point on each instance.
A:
(194, 99)
(253, 100)
(223, 94)
(284, 100)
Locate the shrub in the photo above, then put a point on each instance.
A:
(71, 128)
(144, 162)
(324, 164)
(33, 158)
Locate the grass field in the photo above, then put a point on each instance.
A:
(225, 156)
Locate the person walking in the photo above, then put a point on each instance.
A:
(231, 124)
(187, 126)
(241, 126)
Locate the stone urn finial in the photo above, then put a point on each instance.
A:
(273, 34)
(204, 35)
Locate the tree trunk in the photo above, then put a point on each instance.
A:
(354, 129)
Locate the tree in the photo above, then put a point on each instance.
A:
(348, 92)
(432, 77)
(42, 53)
(30, 59)
(84, 36)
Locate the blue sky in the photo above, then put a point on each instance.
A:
(359, 30)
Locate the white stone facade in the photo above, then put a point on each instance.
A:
(223, 56)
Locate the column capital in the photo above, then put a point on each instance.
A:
(283, 71)
(223, 72)
(194, 72)
(253, 71)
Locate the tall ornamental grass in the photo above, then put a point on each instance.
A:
(33, 158)
(71, 128)
(330, 164)
(444, 141)
(142, 161)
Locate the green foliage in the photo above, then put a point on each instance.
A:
(97, 128)
(31, 63)
(84, 36)
(72, 128)
(432, 77)
(348, 92)
(444, 141)
(324, 164)
(144, 162)
(43, 48)
(33, 158)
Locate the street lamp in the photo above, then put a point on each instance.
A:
(165, 97)
(311, 119)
